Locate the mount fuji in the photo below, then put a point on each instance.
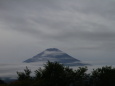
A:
(54, 54)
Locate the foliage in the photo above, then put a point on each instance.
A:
(2, 82)
(56, 74)
(104, 76)
(52, 73)
(24, 75)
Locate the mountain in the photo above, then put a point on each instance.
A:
(54, 54)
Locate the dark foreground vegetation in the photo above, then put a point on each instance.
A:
(55, 74)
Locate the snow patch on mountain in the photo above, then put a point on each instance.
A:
(54, 54)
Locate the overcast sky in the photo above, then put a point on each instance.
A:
(85, 29)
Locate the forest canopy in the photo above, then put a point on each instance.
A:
(56, 74)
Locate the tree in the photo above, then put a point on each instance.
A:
(24, 75)
(81, 76)
(56, 74)
(2, 82)
(104, 76)
(51, 75)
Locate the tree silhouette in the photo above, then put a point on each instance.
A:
(104, 76)
(52, 74)
(2, 82)
(24, 75)
(55, 74)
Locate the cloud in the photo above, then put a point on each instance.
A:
(82, 26)
(10, 70)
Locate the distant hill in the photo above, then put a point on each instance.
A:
(54, 54)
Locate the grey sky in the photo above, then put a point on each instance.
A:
(84, 29)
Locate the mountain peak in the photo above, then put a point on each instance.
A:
(54, 54)
(52, 49)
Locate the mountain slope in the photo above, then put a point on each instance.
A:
(54, 54)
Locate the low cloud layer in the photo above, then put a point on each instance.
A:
(8, 71)
(82, 28)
